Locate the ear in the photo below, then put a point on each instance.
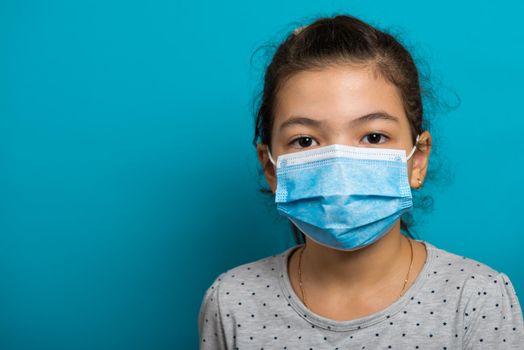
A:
(267, 166)
(420, 160)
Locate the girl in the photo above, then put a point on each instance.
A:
(342, 145)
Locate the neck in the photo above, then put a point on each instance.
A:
(365, 267)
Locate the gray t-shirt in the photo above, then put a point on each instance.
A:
(454, 303)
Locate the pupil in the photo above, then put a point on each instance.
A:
(374, 137)
(304, 141)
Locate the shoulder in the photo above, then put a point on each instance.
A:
(469, 277)
(232, 290)
(487, 303)
(455, 279)
(448, 266)
(247, 278)
(261, 268)
(480, 289)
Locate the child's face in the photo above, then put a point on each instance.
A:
(330, 103)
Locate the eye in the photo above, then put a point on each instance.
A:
(303, 142)
(375, 138)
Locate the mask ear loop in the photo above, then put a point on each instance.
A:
(413, 150)
(269, 155)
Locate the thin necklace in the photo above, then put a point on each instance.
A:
(300, 272)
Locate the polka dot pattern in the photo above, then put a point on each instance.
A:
(455, 303)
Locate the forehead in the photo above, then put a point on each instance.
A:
(337, 94)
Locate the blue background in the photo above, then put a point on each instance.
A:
(128, 181)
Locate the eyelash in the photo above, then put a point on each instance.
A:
(377, 133)
(300, 138)
(365, 136)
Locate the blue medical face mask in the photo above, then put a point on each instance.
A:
(341, 196)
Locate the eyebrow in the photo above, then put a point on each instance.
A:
(300, 120)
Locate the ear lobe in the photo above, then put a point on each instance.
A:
(420, 160)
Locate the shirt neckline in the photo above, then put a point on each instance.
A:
(357, 323)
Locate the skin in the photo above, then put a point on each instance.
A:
(345, 285)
